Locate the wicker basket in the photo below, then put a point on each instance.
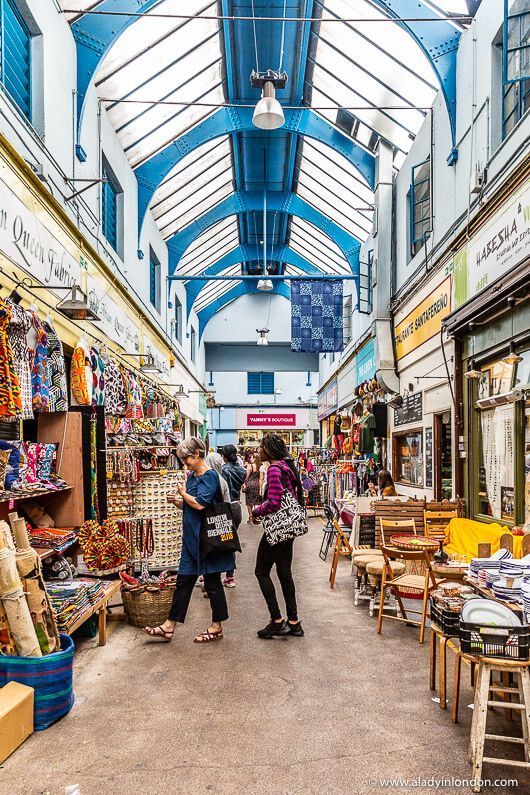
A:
(147, 608)
(413, 543)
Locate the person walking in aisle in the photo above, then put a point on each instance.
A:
(203, 488)
(251, 486)
(235, 476)
(281, 474)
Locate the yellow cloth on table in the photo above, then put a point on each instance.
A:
(462, 537)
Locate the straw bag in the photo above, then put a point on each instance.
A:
(147, 607)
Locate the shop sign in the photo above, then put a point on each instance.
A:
(30, 245)
(424, 322)
(115, 323)
(410, 411)
(365, 362)
(500, 245)
(328, 400)
(271, 420)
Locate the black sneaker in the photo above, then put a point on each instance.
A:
(296, 630)
(273, 629)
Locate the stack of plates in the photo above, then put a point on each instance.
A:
(511, 568)
(526, 599)
(506, 594)
(491, 577)
(486, 612)
(491, 564)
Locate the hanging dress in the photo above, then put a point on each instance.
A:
(19, 326)
(56, 371)
(135, 408)
(39, 370)
(98, 377)
(115, 393)
(10, 395)
(81, 375)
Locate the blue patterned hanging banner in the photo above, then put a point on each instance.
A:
(316, 316)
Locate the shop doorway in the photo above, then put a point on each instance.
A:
(443, 445)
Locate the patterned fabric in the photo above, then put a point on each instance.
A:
(19, 325)
(46, 461)
(134, 398)
(115, 393)
(13, 462)
(81, 375)
(316, 316)
(10, 395)
(58, 390)
(279, 478)
(39, 369)
(98, 377)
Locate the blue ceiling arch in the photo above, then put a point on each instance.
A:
(206, 314)
(231, 120)
(94, 36)
(246, 254)
(281, 202)
(438, 40)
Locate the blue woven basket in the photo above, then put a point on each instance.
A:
(50, 676)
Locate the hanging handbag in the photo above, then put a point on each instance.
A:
(218, 534)
(289, 521)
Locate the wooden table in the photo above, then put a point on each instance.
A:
(450, 573)
(100, 608)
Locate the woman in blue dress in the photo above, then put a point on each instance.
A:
(202, 489)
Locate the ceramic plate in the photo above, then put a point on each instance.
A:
(489, 613)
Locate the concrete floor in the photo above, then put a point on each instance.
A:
(333, 712)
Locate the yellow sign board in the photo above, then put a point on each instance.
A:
(424, 322)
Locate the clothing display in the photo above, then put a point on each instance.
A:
(56, 371)
(19, 325)
(10, 392)
(97, 362)
(81, 375)
(367, 433)
(39, 371)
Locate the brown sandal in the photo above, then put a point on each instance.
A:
(207, 636)
(164, 635)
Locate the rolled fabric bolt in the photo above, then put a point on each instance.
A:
(14, 601)
(21, 534)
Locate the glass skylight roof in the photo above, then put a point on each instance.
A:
(214, 290)
(208, 248)
(375, 70)
(200, 181)
(333, 185)
(162, 60)
(317, 248)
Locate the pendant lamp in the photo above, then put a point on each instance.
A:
(265, 285)
(268, 113)
(262, 336)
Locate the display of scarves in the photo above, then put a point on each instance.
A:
(497, 453)
(316, 316)
(29, 569)
(14, 601)
(94, 503)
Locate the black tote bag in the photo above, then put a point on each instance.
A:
(218, 530)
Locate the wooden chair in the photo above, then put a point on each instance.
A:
(435, 523)
(342, 549)
(506, 542)
(409, 582)
(391, 527)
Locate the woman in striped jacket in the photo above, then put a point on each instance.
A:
(281, 474)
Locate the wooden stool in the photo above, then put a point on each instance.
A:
(445, 643)
(374, 573)
(487, 666)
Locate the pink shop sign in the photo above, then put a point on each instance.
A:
(271, 420)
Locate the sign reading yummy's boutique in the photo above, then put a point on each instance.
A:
(31, 246)
(425, 320)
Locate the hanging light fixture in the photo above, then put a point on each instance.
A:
(76, 308)
(268, 113)
(262, 336)
(265, 285)
(472, 371)
(512, 357)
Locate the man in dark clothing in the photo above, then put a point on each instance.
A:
(235, 475)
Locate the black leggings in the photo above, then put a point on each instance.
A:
(184, 590)
(282, 555)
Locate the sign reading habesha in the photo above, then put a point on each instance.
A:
(425, 321)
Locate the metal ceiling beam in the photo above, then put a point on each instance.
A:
(287, 203)
(246, 254)
(439, 41)
(229, 120)
(206, 314)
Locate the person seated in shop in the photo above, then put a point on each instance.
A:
(385, 485)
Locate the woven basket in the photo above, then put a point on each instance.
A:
(147, 608)
(411, 542)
